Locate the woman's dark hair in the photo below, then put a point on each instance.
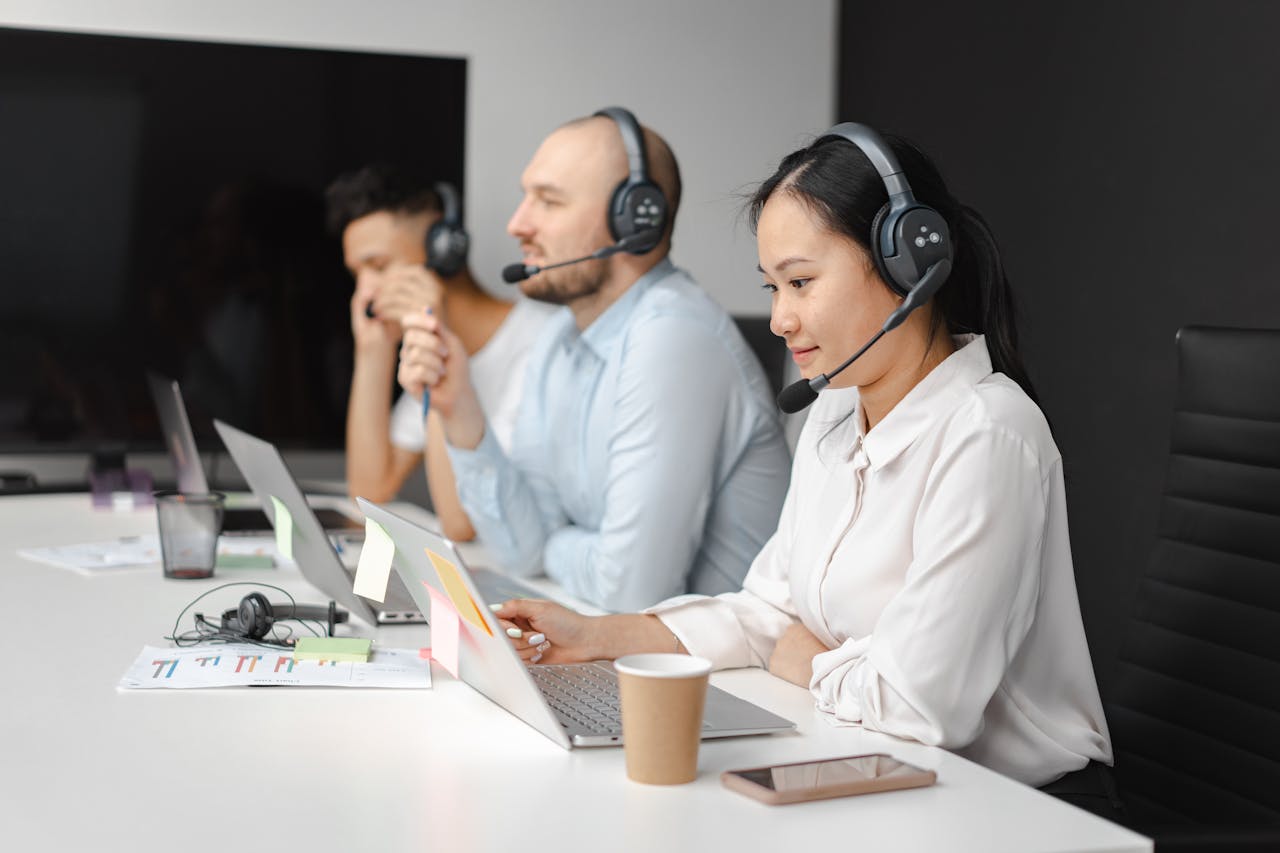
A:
(837, 182)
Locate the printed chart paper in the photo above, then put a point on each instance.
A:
(143, 552)
(242, 665)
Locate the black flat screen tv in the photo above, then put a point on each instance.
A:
(161, 208)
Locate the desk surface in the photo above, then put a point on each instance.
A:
(86, 766)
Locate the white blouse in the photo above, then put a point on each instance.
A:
(931, 556)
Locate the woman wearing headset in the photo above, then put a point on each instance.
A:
(920, 580)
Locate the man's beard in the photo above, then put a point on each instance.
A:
(562, 286)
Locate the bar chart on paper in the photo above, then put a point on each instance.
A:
(245, 665)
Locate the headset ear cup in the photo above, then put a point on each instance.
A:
(446, 249)
(636, 207)
(447, 241)
(877, 257)
(255, 615)
(618, 219)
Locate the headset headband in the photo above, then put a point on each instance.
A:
(878, 152)
(632, 141)
(873, 145)
(450, 207)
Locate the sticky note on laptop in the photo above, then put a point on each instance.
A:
(353, 649)
(444, 631)
(457, 591)
(282, 520)
(374, 569)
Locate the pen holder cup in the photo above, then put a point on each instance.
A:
(189, 528)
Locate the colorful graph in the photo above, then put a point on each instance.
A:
(237, 665)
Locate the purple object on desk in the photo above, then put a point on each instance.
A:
(108, 487)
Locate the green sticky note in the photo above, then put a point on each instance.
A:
(245, 561)
(332, 648)
(284, 528)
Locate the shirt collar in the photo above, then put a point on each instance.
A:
(600, 336)
(932, 397)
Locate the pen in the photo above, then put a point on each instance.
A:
(426, 390)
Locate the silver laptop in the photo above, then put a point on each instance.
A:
(572, 704)
(180, 441)
(313, 550)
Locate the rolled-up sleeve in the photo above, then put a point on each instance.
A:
(513, 510)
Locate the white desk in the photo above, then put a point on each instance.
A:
(86, 767)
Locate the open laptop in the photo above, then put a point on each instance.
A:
(180, 441)
(549, 697)
(313, 550)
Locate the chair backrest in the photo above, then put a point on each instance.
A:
(1195, 715)
(768, 347)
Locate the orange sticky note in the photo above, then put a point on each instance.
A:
(457, 590)
(444, 631)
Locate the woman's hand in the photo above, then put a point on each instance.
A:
(548, 632)
(793, 656)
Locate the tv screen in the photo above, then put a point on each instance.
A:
(161, 207)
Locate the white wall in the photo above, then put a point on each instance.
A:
(732, 84)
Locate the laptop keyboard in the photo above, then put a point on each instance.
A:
(585, 695)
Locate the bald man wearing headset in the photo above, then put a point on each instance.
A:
(648, 459)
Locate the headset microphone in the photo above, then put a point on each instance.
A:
(910, 246)
(637, 206)
(798, 395)
(513, 273)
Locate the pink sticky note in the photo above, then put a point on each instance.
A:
(444, 631)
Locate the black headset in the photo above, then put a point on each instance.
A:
(447, 241)
(907, 237)
(255, 616)
(910, 244)
(638, 204)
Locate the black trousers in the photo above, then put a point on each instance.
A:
(1091, 788)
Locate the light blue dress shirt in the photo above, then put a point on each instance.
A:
(648, 459)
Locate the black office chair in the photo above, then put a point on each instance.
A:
(770, 349)
(1195, 715)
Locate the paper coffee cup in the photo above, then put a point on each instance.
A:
(662, 700)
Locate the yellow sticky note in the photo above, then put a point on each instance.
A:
(457, 591)
(444, 631)
(284, 528)
(374, 568)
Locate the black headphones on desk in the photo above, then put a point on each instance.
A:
(256, 616)
(637, 204)
(447, 241)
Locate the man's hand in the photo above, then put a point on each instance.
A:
(432, 357)
(383, 299)
(793, 656)
(371, 335)
(406, 290)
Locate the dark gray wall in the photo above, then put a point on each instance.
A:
(1125, 154)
